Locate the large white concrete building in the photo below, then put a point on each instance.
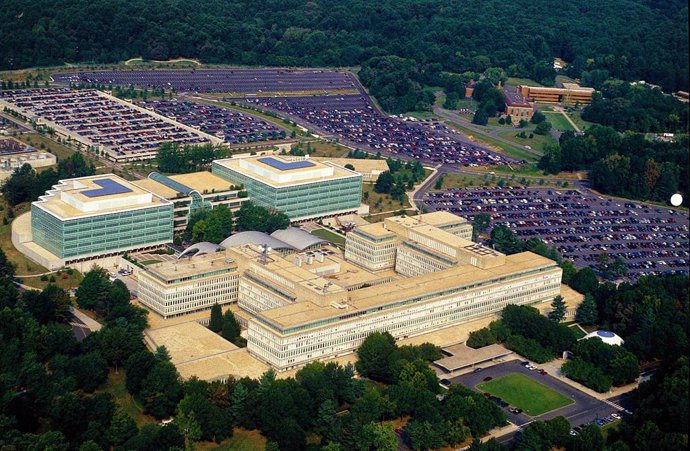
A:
(403, 276)
(189, 284)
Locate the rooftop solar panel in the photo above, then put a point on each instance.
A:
(108, 187)
(286, 166)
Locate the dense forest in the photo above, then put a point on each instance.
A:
(630, 39)
(628, 165)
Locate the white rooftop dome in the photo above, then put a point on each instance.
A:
(606, 336)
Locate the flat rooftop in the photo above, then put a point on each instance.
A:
(441, 218)
(203, 182)
(332, 275)
(173, 271)
(513, 97)
(302, 313)
(462, 356)
(364, 165)
(283, 172)
(93, 195)
(188, 341)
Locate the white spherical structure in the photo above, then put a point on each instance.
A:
(606, 336)
(676, 200)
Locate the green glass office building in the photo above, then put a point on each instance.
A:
(99, 215)
(333, 190)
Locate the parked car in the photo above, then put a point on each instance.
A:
(477, 370)
(487, 378)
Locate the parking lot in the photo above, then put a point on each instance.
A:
(581, 225)
(585, 408)
(124, 131)
(218, 80)
(229, 125)
(355, 120)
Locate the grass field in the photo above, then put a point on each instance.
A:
(241, 440)
(577, 331)
(62, 280)
(325, 149)
(514, 81)
(511, 150)
(559, 121)
(124, 401)
(576, 116)
(525, 393)
(379, 202)
(536, 142)
(334, 238)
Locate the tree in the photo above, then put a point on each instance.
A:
(538, 117)
(384, 182)
(481, 222)
(423, 435)
(587, 313)
(543, 128)
(231, 328)
(122, 428)
(380, 437)
(584, 281)
(327, 422)
(161, 390)
(559, 309)
(375, 356)
(504, 240)
(216, 322)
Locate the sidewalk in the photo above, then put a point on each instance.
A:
(554, 369)
(92, 324)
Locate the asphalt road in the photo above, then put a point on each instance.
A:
(584, 409)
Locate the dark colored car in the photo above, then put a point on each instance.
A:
(487, 378)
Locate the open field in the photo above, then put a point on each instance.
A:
(325, 149)
(379, 202)
(511, 150)
(525, 393)
(63, 280)
(334, 238)
(22, 265)
(514, 81)
(576, 116)
(44, 143)
(559, 121)
(241, 440)
(124, 401)
(536, 142)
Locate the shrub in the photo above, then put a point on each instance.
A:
(480, 338)
(587, 374)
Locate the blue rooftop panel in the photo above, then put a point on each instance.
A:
(286, 166)
(605, 333)
(108, 187)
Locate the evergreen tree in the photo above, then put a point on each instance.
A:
(559, 309)
(216, 321)
(231, 328)
(587, 313)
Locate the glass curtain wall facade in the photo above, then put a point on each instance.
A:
(300, 200)
(101, 234)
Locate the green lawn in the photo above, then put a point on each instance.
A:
(334, 238)
(559, 122)
(241, 440)
(514, 81)
(577, 331)
(576, 116)
(123, 400)
(149, 262)
(514, 151)
(525, 393)
(536, 142)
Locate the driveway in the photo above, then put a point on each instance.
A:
(584, 410)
